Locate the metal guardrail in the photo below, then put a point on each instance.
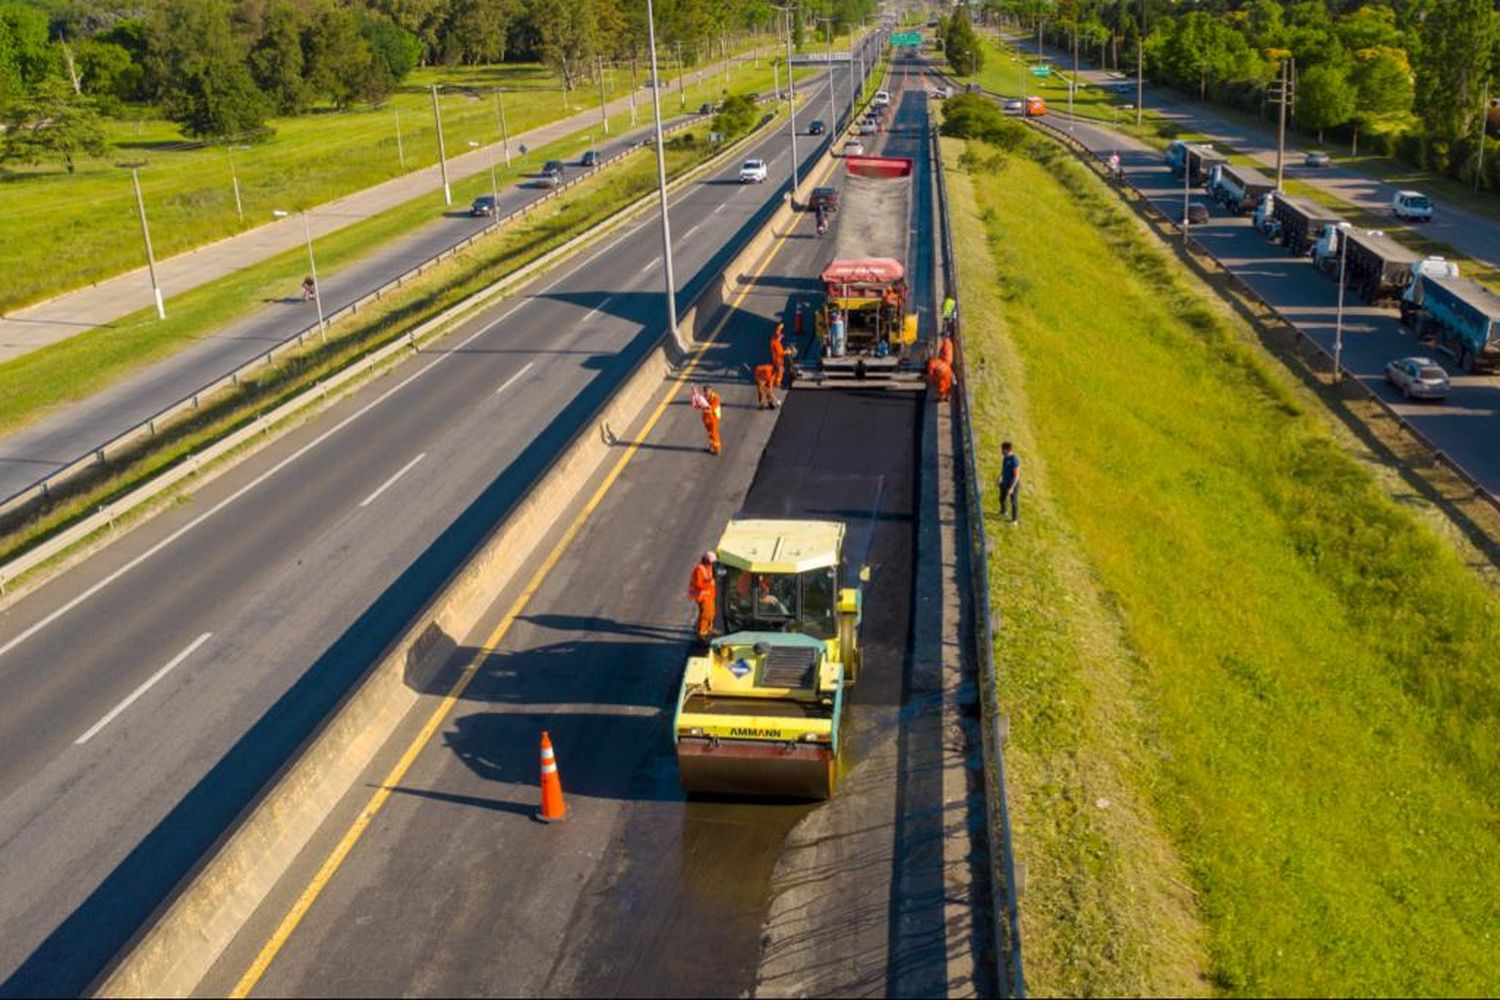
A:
(1004, 890)
(1197, 249)
(98, 455)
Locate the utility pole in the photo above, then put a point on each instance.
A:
(681, 97)
(400, 146)
(633, 87)
(661, 180)
(1187, 177)
(1484, 124)
(603, 104)
(1338, 323)
(140, 204)
(791, 87)
(1283, 98)
(1140, 66)
(437, 116)
(504, 132)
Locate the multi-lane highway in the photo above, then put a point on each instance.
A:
(453, 888)
(152, 689)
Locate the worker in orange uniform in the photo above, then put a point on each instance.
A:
(945, 350)
(765, 380)
(703, 591)
(940, 377)
(712, 410)
(778, 358)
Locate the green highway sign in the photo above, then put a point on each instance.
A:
(907, 38)
(1042, 70)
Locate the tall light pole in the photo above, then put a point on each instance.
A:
(140, 205)
(791, 87)
(312, 264)
(681, 97)
(400, 146)
(1140, 66)
(437, 116)
(661, 178)
(234, 179)
(1484, 124)
(1187, 177)
(494, 183)
(1338, 322)
(1287, 70)
(504, 132)
(833, 111)
(603, 104)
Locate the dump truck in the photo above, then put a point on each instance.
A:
(1458, 315)
(1198, 159)
(1375, 265)
(759, 713)
(1237, 188)
(1301, 221)
(865, 327)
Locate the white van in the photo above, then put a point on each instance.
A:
(1412, 206)
(881, 98)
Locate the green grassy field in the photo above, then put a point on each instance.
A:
(1254, 744)
(64, 231)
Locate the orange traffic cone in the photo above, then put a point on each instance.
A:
(552, 797)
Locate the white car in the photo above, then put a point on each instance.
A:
(1015, 106)
(753, 172)
(881, 98)
(866, 127)
(854, 148)
(1418, 378)
(1412, 206)
(941, 93)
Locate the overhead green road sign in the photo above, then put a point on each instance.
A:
(907, 38)
(1042, 70)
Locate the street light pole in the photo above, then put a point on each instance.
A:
(603, 105)
(312, 264)
(140, 204)
(234, 179)
(681, 97)
(504, 132)
(1140, 66)
(400, 146)
(1282, 102)
(791, 87)
(1187, 176)
(437, 116)
(661, 178)
(833, 111)
(1338, 323)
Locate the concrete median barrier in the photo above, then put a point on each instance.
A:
(177, 947)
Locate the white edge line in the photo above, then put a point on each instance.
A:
(391, 481)
(512, 380)
(150, 681)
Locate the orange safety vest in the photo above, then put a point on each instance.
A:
(701, 587)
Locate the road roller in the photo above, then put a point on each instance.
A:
(758, 713)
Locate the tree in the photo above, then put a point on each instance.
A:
(1382, 87)
(340, 65)
(392, 46)
(196, 70)
(569, 39)
(106, 71)
(276, 58)
(52, 122)
(27, 55)
(1325, 98)
(1452, 69)
(961, 44)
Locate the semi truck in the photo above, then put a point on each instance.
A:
(1197, 159)
(1458, 315)
(1300, 222)
(865, 327)
(1375, 265)
(760, 713)
(1237, 188)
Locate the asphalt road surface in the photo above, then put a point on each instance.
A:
(153, 689)
(1466, 425)
(1470, 234)
(454, 889)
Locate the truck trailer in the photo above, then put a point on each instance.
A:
(1375, 265)
(1237, 188)
(1301, 221)
(1198, 159)
(760, 713)
(1458, 315)
(865, 328)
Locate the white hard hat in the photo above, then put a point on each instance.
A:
(710, 557)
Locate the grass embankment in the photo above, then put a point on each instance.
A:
(485, 262)
(1254, 746)
(64, 231)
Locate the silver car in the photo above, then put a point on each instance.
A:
(1418, 378)
(1316, 158)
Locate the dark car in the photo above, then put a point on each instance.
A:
(552, 173)
(826, 198)
(483, 207)
(816, 127)
(590, 158)
(1197, 213)
(705, 109)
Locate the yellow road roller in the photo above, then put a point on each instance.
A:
(759, 713)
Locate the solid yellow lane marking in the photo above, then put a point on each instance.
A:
(332, 863)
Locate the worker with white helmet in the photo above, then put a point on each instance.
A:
(703, 591)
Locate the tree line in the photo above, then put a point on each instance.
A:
(220, 68)
(1414, 75)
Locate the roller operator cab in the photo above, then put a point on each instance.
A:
(759, 713)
